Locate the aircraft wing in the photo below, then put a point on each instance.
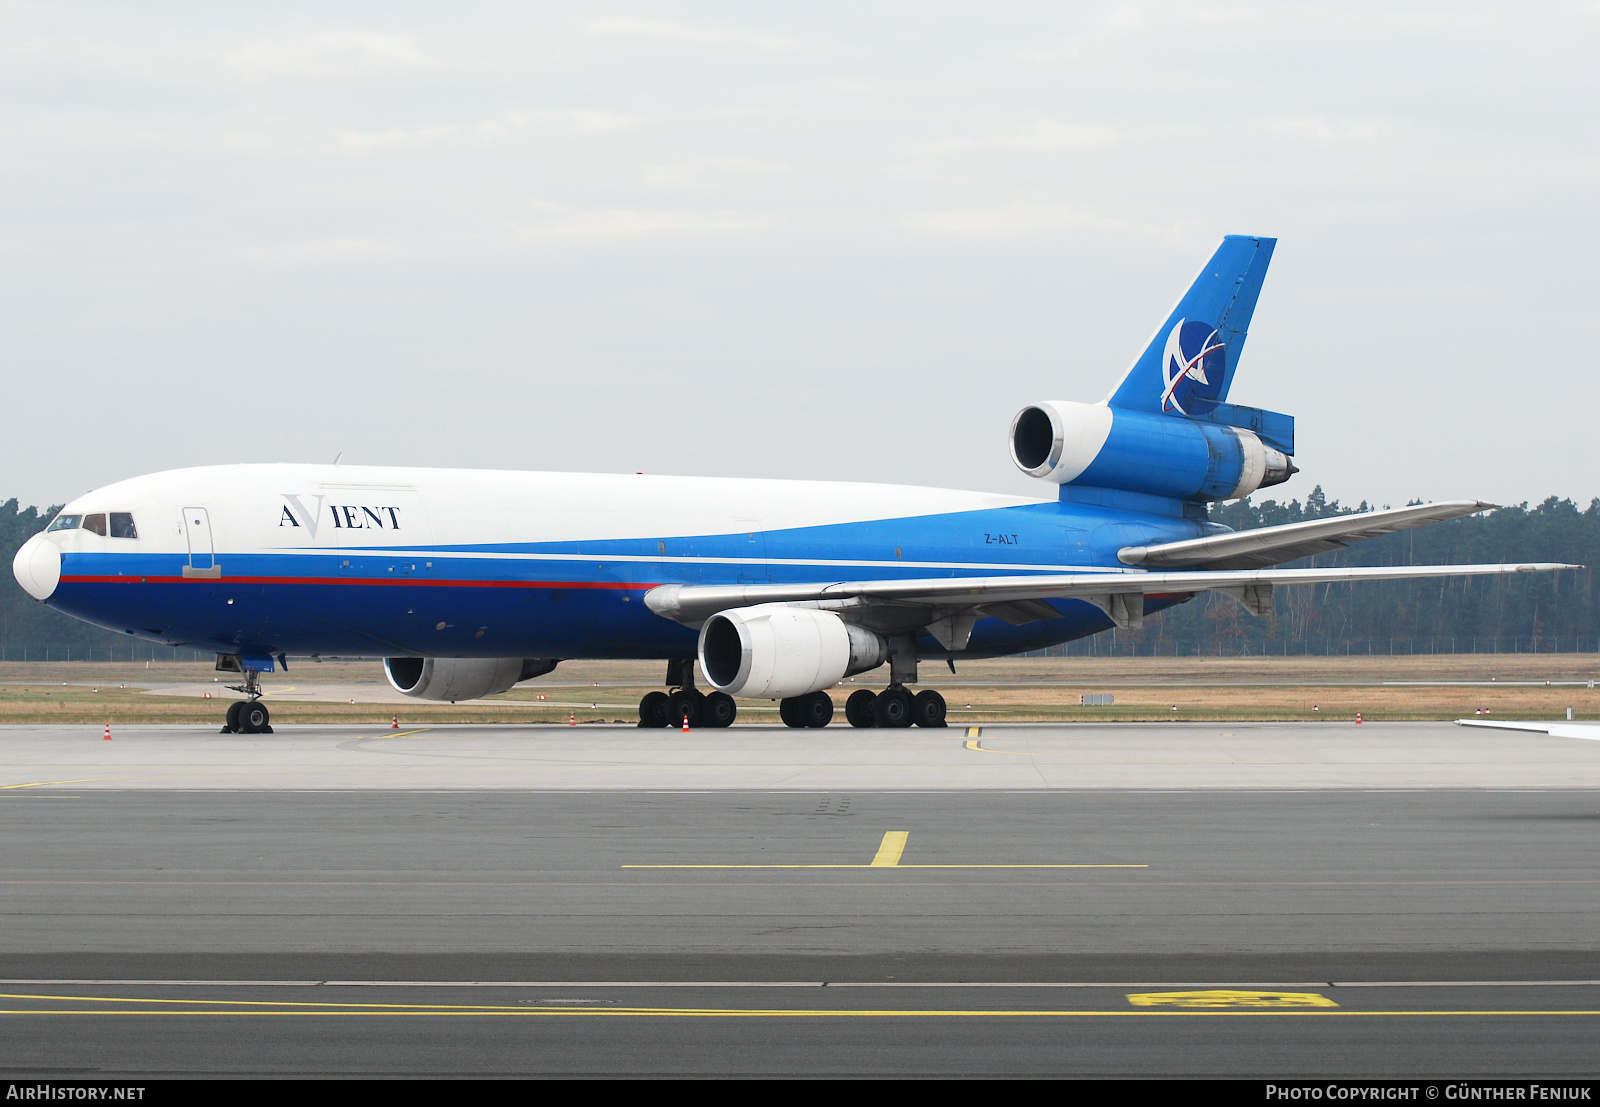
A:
(899, 605)
(1555, 730)
(1254, 549)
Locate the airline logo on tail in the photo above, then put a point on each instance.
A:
(1192, 366)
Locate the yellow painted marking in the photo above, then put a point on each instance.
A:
(1223, 997)
(194, 1007)
(43, 783)
(894, 844)
(888, 857)
(874, 866)
(974, 732)
(399, 734)
(976, 746)
(277, 691)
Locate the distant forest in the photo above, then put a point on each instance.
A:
(1545, 613)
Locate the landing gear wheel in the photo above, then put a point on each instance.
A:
(815, 710)
(718, 710)
(254, 718)
(858, 708)
(789, 712)
(685, 703)
(653, 710)
(892, 708)
(927, 708)
(232, 725)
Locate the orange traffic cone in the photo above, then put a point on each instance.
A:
(1358, 718)
(395, 723)
(108, 733)
(572, 719)
(686, 724)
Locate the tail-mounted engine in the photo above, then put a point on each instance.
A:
(1228, 454)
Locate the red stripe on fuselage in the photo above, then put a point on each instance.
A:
(415, 581)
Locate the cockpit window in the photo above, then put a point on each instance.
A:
(122, 525)
(66, 522)
(96, 523)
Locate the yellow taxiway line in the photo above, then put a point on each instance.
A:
(43, 783)
(184, 1008)
(888, 857)
(894, 844)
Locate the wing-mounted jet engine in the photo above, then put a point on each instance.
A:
(461, 678)
(777, 651)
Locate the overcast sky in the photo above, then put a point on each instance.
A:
(842, 241)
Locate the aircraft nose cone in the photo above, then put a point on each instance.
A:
(37, 567)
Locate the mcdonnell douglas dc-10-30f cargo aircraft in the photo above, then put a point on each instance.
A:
(468, 582)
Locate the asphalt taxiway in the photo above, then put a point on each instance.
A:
(1251, 899)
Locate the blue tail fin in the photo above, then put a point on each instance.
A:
(1188, 366)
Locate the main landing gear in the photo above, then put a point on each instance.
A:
(890, 708)
(250, 715)
(686, 703)
(894, 707)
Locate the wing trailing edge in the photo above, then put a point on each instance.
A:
(1254, 549)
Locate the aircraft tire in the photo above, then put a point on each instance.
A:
(253, 718)
(719, 710)
(816, 710)
(858, 708)
(685, 703)
(788, 711)
(892, 708)
(928, 708)
(653, 710)
(232, 725)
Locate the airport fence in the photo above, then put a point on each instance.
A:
(133, 653)
(1110, 644)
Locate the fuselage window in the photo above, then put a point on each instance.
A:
(66, 522)
(122, 525)
(96, 523)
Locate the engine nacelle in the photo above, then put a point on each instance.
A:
(461, 678)
(1165, 455)
(774, 651)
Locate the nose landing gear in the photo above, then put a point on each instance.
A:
(250, 715)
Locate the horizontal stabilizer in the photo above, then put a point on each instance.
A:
(694, 603)
(1272, 427)
(1254, 549)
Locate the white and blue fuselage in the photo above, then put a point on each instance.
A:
(349, 560)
